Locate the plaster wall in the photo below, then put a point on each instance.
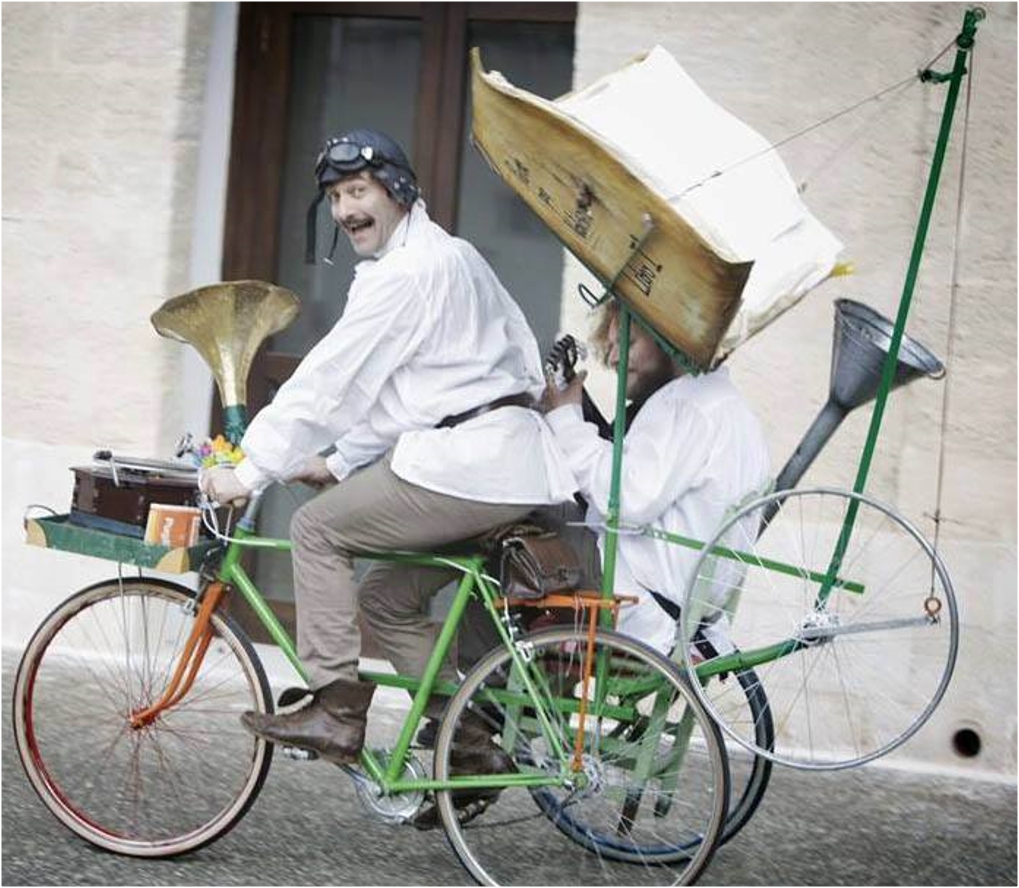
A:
(782, 67)
(116, 128)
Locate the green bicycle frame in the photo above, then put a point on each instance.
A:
(473, 583)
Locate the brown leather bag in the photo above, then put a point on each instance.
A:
(534, 562)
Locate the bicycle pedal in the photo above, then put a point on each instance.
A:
(298, 755)
(472, 811)
(425, 738)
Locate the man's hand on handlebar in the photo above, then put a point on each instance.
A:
(221, 485)
(315, 473)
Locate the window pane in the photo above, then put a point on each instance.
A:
(347, 73)
(524, 253)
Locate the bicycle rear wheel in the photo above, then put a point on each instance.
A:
(163, 789)
(851, 668)
(646, 738)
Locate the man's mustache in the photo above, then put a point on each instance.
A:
(350, 224)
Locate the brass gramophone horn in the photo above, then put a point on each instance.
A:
(227, 323)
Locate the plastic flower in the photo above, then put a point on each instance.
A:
(217, 452)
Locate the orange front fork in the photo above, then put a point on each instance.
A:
(190, 659)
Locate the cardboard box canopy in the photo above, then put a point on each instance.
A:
(626, 174)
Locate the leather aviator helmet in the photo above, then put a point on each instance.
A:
(360, 149)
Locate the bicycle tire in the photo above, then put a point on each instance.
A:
(745, 795)
(852, 666)
(162, 790)
(760, 767)
(610, 834)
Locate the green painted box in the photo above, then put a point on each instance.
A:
(57, 532)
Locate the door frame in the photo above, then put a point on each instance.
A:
(258, 149)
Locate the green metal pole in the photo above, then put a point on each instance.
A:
(619, 431)
(782, 567)
(451, 625)
(964, 42)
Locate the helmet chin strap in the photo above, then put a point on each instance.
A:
(332, 249)
(311, 230)
(311, 233)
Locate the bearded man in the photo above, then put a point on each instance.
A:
(693, 450)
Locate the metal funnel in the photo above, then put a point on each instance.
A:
(861, 343)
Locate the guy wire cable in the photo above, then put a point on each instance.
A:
(813, 126)
(881, 111)
(953, 291)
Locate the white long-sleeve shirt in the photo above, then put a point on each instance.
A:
(428, 332)
(692, 452)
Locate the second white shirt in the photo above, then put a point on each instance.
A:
(692, 452)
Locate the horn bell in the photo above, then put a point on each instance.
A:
(227, 323)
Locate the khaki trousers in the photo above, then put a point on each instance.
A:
(375, 510)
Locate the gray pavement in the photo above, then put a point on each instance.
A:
(869, 826)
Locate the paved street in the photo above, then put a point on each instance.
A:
(865, 827)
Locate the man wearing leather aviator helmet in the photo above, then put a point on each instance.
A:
(424, 387)
(361, 156)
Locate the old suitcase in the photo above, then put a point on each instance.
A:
(118, 499)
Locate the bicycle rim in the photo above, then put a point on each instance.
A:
(164, 789)
(646, 739)
(853, 672)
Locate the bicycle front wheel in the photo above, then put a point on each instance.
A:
(172, 785)
(645, 739)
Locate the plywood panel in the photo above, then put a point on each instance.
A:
(599, 209)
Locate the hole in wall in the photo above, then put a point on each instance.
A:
(966, 742)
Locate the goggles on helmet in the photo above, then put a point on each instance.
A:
(347, 157)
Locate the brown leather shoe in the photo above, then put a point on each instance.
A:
(474, 752)
(332, 725)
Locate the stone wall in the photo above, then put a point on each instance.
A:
(781, 67)
(103, 116)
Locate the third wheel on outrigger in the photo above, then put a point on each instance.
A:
(641, 780)
(844, 610)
